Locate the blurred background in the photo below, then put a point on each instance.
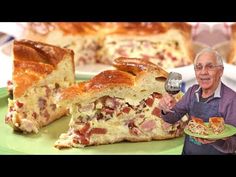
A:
(217, 35)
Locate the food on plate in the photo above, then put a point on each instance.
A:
(216, 124)
(196, 125)
(118, 105)
(40, 71)
(166, 44)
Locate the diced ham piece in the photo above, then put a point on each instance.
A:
(85, 128)
(126, 110)
(19, 104)
(84, 134)
(174, 58)
(42, 103)
(131, 124)
(108, 111)
(98, 131)
(110, 103)
(161, 57)
(148, 125)
(156, 112)
(81, 139)
(149, 102)
(135, 131)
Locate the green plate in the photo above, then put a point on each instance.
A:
(42, 143)
(3, 93)
(228, 131)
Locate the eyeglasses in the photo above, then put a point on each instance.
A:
(208, 67)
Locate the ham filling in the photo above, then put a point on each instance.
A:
(166, 54)
(39, 109)
(135, 118)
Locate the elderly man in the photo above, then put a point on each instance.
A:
(210, 97)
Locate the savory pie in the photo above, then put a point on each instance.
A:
(40, 71)
(216, 124)
(166, 44)
(196, 125)
(118, 105)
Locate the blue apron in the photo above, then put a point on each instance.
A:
(204, 111)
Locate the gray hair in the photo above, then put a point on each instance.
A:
(219, 58)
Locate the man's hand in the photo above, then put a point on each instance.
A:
(207, 141)
(166, 103)
(204, 141)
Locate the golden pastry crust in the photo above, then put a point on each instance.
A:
(33, 61)
(111, 78)
(26, 50)
(135, 65)
(138, 28)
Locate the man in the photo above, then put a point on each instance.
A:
(210, 97)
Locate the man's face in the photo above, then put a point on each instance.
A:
(207, 71)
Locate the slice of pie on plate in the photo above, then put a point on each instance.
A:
(216, 124)
(196, 125)
(118, 105)
(40, 71)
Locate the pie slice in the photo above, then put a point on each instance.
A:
(217, 124)
(196, 125)
(118, 105)
(40, 71)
